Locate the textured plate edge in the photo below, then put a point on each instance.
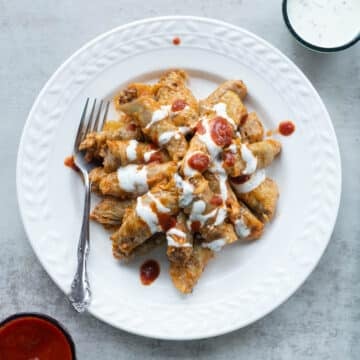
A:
(281, 55)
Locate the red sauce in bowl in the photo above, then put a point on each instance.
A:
(34, 337)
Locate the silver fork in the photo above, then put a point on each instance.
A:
(80, 294)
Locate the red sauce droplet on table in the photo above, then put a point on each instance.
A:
(216, 200)
(195, 226)
(286, 128)
(176, 40)
(149, 271)
(240, 179)
(31, 337)
(221, 131)
(166, 221)
(229, 158)
(178, 105)
(69, 162)
(199, 162)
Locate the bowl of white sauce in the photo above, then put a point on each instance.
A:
(323, 25)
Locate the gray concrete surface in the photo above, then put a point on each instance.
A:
(321, 321)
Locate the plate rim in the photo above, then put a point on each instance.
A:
(274, 49)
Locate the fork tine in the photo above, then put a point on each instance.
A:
(91, 118)
(94, 128)
(80, 130)
(105, 116)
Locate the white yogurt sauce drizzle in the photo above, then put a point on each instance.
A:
(166, 136)
(197, 212)
(220, 110)
(216, 167)
(250, 160)
(159, 114)
(187, 191)
(184, 130)
(171, 240)
(131, 150)
(241, 229)
(145, 213)
(255, 180)
(233, 148)
(215, 245)
(222, 211)
(133, 179)
(213, 149)
(159, 206)
(325, 23)
(148, 154)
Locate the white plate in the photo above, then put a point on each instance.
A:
(243, 283)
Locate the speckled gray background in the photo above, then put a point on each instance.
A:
(321, 321)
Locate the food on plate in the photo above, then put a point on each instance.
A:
(186, 173)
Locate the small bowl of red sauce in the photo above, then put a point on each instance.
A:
(26, 336)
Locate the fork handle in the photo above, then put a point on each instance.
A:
(80, 294)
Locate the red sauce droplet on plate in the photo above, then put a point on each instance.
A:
(166, 221)
(176, 40)
(199, 162)
(221, 131)
(286, 128)
(178, 105)
(149, 271)
(31, 337)
(69, 162)
(229, 158)
(216, 200)
(240, 179)
(200, 128)
(195, 226)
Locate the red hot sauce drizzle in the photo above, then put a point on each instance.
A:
(166, 221)
(240, 179)
(195, 226)
(149, 271)
(229, 158)
(178, 105)
(155, 157)
(200, 128)
(199, 162)
(216, 200)
(221, 131)
(286, 128)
